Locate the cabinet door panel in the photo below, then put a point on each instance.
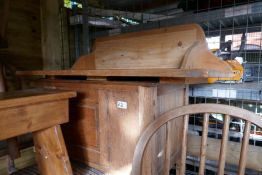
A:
(82, 130)
(121, 125)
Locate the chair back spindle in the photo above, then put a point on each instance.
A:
(184, 111)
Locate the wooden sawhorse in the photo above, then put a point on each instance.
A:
(41, 112)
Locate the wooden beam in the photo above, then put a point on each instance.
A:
(30, 96)
(130, 73)
(187, 81)
(51, 34)
(27, 159)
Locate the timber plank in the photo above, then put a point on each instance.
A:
(32, 96)
(131, 72)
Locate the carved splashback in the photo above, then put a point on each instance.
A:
(179, 47)
(172, 52)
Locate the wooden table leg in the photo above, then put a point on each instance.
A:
(51, 153)
(13, 148)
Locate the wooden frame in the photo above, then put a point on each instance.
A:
(206, 109)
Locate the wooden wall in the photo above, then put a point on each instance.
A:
(23, 34)
(21, 49)
(4, 11)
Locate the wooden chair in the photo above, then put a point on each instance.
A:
(185, 111)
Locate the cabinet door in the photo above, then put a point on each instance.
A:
(120, 128)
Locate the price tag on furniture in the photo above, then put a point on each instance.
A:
(121, 104)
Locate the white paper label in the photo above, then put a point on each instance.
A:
(121, 104)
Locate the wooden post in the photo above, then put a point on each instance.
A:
(13, 148)
(223, 147)
(51, 34)
(51, 153)
(203, 145)
(244, 149)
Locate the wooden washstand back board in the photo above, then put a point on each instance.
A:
(179, 51)
(178, 47)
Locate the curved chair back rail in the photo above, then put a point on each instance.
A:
(205, 109)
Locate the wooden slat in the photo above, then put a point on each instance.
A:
(205, 73)
(184, 146)
(203, 145)
(244, 148)
(32, 96)
(168, 148)
(223, 148)
(32, 117)
(254, 157)
(213, 154)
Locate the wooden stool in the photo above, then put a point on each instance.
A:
(41, 112)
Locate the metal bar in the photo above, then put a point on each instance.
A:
(86, 38)
(203, 145)
(223, 147)
(220, 14)
(244, 149)
(95, 21)
(131, 15)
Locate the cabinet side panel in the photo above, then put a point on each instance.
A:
(147, 114)
(169, 97)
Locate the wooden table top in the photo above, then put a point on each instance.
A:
(31, 96)
(203, 73)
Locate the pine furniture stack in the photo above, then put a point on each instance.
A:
(124, 85)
